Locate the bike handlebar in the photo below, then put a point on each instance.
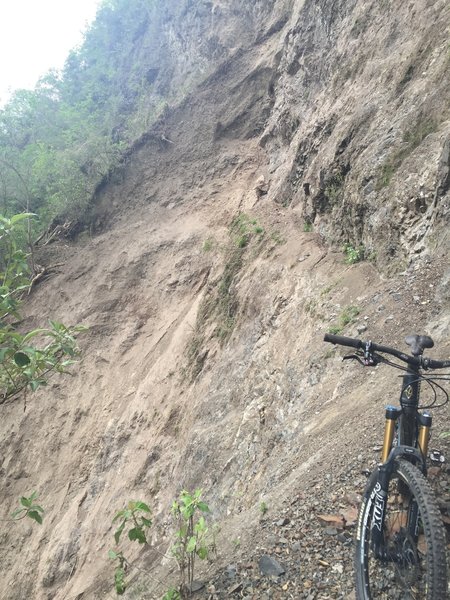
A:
(419, 361)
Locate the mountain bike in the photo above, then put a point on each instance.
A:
(400, 549)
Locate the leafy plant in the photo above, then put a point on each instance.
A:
(307, 227)
(353, 254)
(263, 507)
(29, 509)
(347, 316)
(243, 228)
(26, 360)
(171, 594)
(207, 245)
(189, 510)
(120, 583)
(133, 514)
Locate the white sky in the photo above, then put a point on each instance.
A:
(36, 35)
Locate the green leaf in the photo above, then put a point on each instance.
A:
(202, 552)
(203, 507)
(33, 334)
(18, 512)
(146, 522)
(112, 555)
(119, 531)
(118, 515)
(33, 514)
(26, 502)
(142, 506)
(4, 352)
(21, 359)
(20, 217)
(191, 544)
(137, 534)
(119, 581)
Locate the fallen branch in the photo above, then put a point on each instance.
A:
(43, 273)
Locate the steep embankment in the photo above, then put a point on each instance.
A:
(203, 365)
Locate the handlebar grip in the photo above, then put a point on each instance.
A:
(343, 341)
(430, 363)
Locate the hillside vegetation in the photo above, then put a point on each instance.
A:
(217, 184)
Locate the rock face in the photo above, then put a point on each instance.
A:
(211, 280)
(348, 100)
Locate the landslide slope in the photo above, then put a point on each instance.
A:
(207, 300)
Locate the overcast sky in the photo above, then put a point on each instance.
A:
(36, 35)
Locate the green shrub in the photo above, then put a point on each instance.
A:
(352, 254)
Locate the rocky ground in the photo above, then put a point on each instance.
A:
(305, 550)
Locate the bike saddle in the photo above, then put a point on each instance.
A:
(418, 343)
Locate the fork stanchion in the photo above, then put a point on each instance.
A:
(392, 414)
(424, 433)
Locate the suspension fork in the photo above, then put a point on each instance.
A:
(379, 495)
(412, 444)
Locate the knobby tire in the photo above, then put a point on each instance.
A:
(414, 566)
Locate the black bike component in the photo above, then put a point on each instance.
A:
(392, 412)
(360, 359)
(411, 541)
(408, 453)
(418, 343)
(409, 401)
(343, 341)
(400, 547)
(425, 419)
(414, 361)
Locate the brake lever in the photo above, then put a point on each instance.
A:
(354, 357)
(366, 360)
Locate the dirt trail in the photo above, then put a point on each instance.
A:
(204, 364)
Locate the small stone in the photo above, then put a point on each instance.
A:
(270, 566)
(361, 328)
(196, 586)
(231, 571)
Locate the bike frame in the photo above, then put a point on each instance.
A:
(413, 432)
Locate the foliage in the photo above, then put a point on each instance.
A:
(189, 511)
(307, 227)
(29, 509)
(133, 514)
(59, 141)
(243, 228)
(120, 583)
(353, 254)
(23, 364)
(263, 507)
(171, 594)
(347, 316)
(208, 245)
(136, 516)
(13, 266)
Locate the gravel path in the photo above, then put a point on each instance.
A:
(305, 551)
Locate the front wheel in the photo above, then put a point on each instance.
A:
(411, 562)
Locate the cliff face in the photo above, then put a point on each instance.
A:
(361, 107)
(351, 103)
(207, 294)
